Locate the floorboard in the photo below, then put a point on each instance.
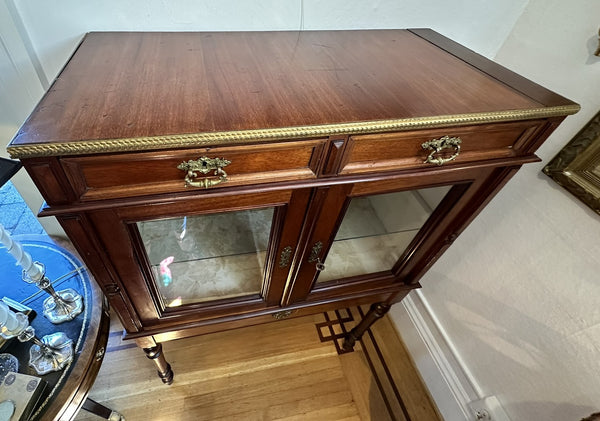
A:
(277, 371)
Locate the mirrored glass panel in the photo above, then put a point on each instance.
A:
(376, 230)
(208, 257)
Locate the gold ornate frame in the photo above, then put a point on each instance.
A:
(577, 165)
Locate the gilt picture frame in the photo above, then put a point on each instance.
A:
(577, 166)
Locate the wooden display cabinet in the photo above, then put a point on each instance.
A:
(216, 180)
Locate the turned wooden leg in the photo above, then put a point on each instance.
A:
(376, 312)
(164, 368)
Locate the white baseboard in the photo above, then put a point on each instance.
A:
(450, 384)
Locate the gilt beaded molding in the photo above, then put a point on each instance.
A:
(278, 134)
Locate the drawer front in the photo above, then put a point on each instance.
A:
(380, 152)
(136, 174)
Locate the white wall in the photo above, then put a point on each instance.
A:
(54, 27)
(518, 292)
(20, 90)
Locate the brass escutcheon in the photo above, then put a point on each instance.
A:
(282, 314)
(284, 259)
(314, 256)
(314, 252)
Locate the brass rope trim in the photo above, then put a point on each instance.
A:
(286, 133)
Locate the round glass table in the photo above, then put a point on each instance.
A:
(65, 391)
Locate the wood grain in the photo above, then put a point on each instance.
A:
(384, 152)
(415, 397)
(277, 371)
(110, 176)
(129, 85)
(518, 82)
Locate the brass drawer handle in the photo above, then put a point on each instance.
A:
(204, 165)
(436, 145)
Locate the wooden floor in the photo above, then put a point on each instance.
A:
(276, 371)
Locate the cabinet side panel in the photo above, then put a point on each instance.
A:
(417, 261)
(80, 233)
(50, 181)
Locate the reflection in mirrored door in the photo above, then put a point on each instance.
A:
(208, 257)
(376, 230)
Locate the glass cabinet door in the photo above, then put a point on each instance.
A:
(364, 234)
(375, 231)
(202, 258)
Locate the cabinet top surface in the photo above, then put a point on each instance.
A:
(135, 90)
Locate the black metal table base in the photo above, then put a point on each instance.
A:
(96, 408)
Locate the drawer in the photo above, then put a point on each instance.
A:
(144, 173)
(380, 152)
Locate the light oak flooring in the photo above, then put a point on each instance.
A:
(275, 371)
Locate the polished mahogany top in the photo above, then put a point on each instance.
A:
(135, 84)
